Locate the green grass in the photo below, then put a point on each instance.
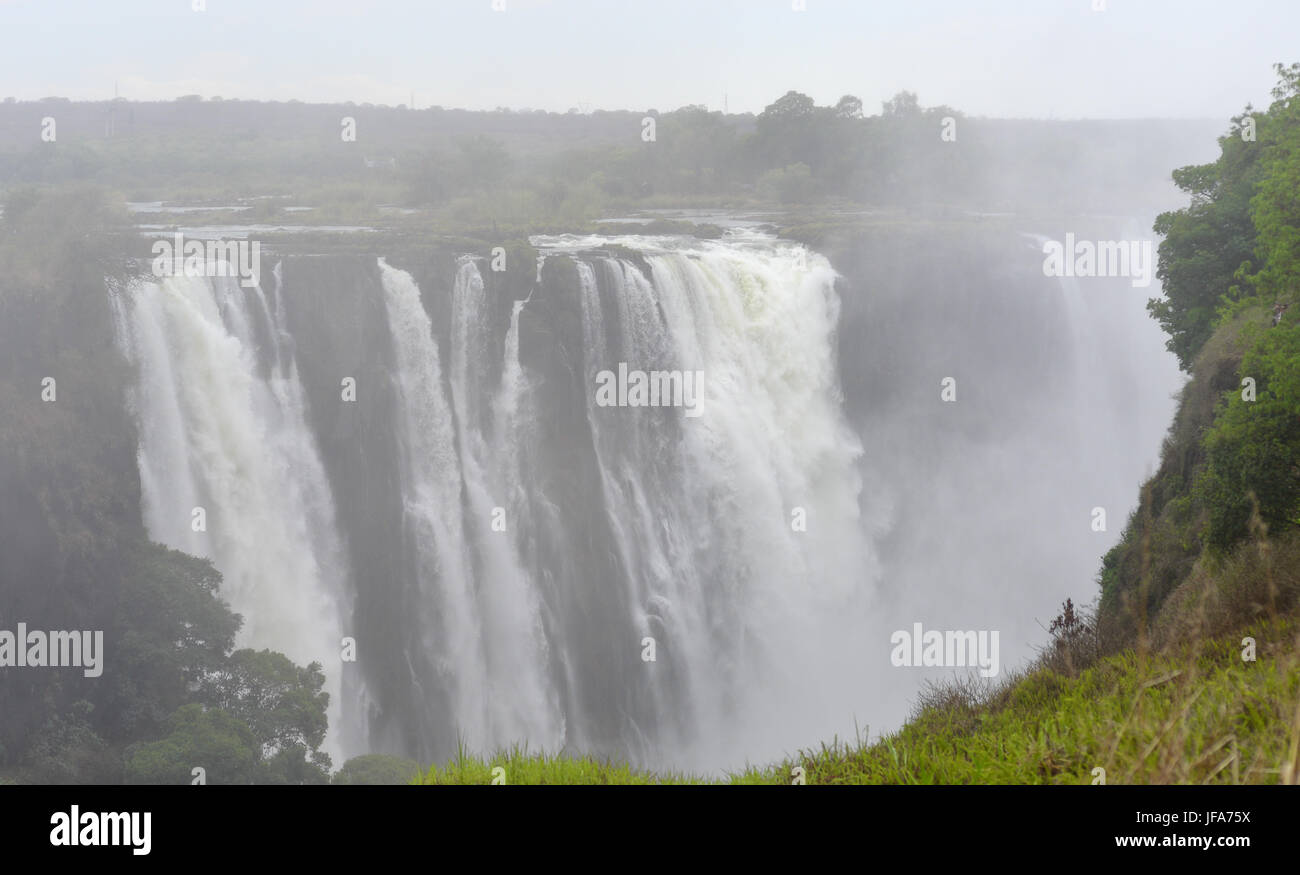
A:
(1193, 715)
(522, 767)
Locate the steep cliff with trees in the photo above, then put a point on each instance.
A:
(74, 554)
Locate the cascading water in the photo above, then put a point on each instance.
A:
(483, 642)
(229, 468)
(687, 587)
(537, 628)
(758, 610)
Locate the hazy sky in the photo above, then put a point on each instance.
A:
(1045, 58)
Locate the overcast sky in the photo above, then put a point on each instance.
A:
(1008, 58)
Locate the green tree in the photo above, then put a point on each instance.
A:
(427, 176)
(483, 163)
(791, 184)
(1276, 207)
(791, 106)
(1254, 446)
(784, 131)
(1206, 243)
(284, 706)
(67, 750)
(904, 103)
(849, 107)
(699, 146)
(219, 743)
(172, 629)
(377, 768)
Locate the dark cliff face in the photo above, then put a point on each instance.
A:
(336, 316)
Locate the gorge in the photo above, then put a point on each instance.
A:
(500, 545)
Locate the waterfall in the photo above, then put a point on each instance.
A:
(684, 589)
(730, 538)
(485, 646)
(223, 432)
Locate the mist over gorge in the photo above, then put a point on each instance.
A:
(500, 545)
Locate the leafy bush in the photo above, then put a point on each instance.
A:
(377, 768)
